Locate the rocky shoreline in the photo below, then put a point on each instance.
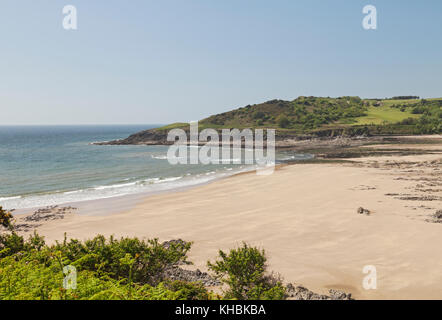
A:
(283, 139)
(299, 292)
(33, 221)
(326, 146)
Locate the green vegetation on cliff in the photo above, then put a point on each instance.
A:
(303, 113)
(353, 115)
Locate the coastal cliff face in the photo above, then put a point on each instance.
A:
(147, 137)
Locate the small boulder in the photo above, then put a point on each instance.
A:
(438, 216)
(363, 211)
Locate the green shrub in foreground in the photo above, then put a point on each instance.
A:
(107, 269)
(5, 218)
(244, 271)
(141, 261)
(123, 269)
(29, 279)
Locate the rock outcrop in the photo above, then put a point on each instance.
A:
(301, 293)
(177, 273)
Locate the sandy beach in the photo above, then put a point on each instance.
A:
(305, 217)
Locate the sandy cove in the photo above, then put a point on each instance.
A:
(305, 217)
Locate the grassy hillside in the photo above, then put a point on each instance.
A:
(384, 114)
(302, 114)
(313, 114)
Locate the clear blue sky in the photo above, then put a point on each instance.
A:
(162, 61)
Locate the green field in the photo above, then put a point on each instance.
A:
(385, 114)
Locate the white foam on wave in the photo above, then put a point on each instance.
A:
(129, 186)
(296, 156)
(150, 185)
(9, 198)
(122, 185)
(159, 157)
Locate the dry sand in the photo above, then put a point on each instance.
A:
(304, 216)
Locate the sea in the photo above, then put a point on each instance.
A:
(53, 165)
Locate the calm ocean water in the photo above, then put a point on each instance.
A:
(47, 165)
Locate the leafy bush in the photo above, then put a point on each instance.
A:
(144, 261)
(11, 244)
(124, 269)
(29, 279)
(107, 269)
(5, 218)
(282, 121)
(409, 121)
(258, 115)
(244, 271)
(188, 290)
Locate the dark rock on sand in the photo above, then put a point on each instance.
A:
(167, 244)
(363, 211)
(438, 216)
(49, 213)
(302, 293)
(31, 222)
(420, 198)
(26, 227)
(177, 273)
